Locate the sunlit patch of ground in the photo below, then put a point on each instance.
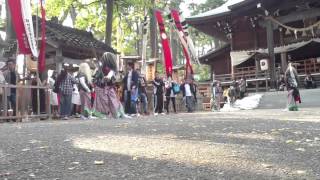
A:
(254, 136)
(169, 148)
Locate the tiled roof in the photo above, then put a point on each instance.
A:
(219, 11)
(66, 37)
(74, 38)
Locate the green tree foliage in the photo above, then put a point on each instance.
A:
(201, 40)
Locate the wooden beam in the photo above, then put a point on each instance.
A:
(297, 16)
(270, 42)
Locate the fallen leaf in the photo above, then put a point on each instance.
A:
(88, 151)
(316, 139)
(300, 149)
(71, 168)
(32, 175)
(289, 141)
(67, 140)
(308, 140)
(44, 147)
(26, 149)
(267, 165)
(298, 132)
(301, 172)
(33, 141)
(76, 163)
(298, 142)
(98, 162)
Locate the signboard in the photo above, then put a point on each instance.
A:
(264, 64)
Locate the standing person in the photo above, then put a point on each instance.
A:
(130, 81)
(2, 82)
(34, 94)
(281, 82)
(292, 82)
(158, 94)
(309, 82)
(170, 94)
(217, 96)
(53, 95)
(76, 102)
(107, 101)
(189, 94)
(11, 77)
(243, 87)
(65, 84)
(85, 79)
(142, 84)
(233, 92)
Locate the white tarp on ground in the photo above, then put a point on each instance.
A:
(247, 103)
(238, 57)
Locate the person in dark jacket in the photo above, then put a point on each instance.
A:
(11, 76)
(170, 95)
(130, 81)
(189, 92)
(158, 85)
(309, 82)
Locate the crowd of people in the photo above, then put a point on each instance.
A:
(228, 94)
(93, 92)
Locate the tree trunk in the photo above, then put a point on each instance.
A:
(10, 33)
(109, 20)
(73, 15)
(153, 33)
(139, 37)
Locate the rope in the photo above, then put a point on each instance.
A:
(317, 24)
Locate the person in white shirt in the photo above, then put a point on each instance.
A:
(189, 93)
(53, 96)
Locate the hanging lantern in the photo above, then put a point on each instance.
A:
(288, 32)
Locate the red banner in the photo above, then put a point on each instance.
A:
(15, 9)
(165, 43)
(176, 17)
(42, 54)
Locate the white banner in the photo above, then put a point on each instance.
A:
(28, 25)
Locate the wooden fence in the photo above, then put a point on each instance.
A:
(23, 102)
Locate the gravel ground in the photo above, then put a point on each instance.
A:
(259, 144)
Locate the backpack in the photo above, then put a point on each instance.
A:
(176, 88)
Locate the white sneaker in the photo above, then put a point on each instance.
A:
(163, 113)
(156, 114)
(126, 116)
(82, 117)
(92, 117)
